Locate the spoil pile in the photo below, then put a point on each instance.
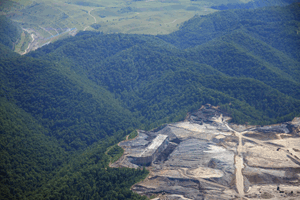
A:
(206, 158)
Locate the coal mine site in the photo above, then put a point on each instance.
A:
(206, 157)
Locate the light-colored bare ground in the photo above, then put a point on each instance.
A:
(191, 126)
(256, 192)
(197, 128)
(167, 173)
(239, 164)
(238, 175)
(269, 148)
(205, 172)
(215, 149)
(184, 172)
(296, 121)
(291, 144)
(180, 196)
(262, 156)
(219, 119)
(177, 196)
(220, 136)
(264, 159)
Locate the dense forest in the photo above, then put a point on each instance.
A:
(65, 106)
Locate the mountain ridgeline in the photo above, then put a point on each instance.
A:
(64, 104)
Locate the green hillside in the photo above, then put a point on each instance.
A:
(28, 156)
(230, 55)
(56, 126)
(63, 105)
(276, 26)
(62, 102)
(10, 32)
(131, 65)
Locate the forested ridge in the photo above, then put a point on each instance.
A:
(63, 105)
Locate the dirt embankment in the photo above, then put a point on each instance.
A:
(210, 159)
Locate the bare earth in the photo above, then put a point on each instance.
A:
(207, 158)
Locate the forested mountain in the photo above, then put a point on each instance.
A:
(10, 32)
(276, 26)
(49, 117)
(253, 4)
(64, 104)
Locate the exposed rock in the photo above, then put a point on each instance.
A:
(207, 158)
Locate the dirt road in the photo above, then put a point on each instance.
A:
(239, 165)
(95, 20)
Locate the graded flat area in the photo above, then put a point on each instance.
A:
(207, 158)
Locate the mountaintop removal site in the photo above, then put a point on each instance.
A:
(205, 157)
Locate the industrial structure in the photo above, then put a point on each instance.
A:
(152, 151)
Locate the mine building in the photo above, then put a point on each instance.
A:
(152, 151)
